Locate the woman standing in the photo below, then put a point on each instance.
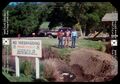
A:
(67, 38)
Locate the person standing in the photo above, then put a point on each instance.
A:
(73, 37)
(67, 38)
(60, 38)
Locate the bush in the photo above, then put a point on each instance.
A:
(26, 68)
(48, 69)
(41, 69)
(53, 69)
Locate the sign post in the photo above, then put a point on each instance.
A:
(17, 66)
(37, 68)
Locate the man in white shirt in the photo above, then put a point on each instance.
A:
(73, 37)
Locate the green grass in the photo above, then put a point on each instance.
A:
(13, 78)
(81, 43)
(91, 44)
(48, 42)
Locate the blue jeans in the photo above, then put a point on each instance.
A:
(73, 41)
(60, 43)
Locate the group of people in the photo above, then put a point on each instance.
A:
(64, 38)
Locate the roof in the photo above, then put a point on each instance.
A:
(110, 17)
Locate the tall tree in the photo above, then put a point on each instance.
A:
(26, 17)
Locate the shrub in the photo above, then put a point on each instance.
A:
(53, 69)
(26, 68)
(49, 67)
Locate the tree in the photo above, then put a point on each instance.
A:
(84, 16)
(76, 10)
(95, 13)
(26, 17)
(23, 19)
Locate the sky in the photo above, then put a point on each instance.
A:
(15, 3)
(12, 3)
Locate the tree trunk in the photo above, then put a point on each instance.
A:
(81, 32)
(84, 30)
(97, 33)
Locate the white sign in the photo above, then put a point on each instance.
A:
(26, 47)
(6, 41)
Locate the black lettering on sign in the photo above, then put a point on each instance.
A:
(28, 43)
(19, 51)
(33, 52)
(26, 52)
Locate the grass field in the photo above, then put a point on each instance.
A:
(48, 42)
(81, 43)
